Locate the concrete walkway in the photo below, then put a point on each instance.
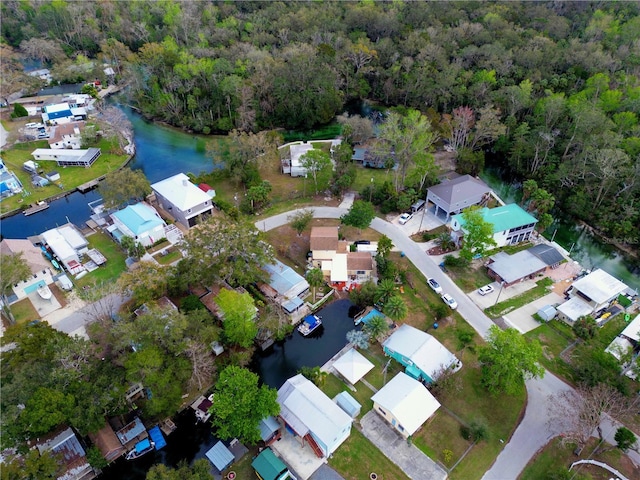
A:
(522, 318)
(412, 461)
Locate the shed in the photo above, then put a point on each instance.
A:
(130, 431)
(548, 312)
(39, 181)
(220, 456)
(270, 467)
(217, 348)
(352, 366)
(269, 429)
(347, 403)
(53, 176)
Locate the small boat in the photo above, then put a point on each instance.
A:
(36, 207)
(55, 264)
(44, 292)
(309, 325)
(142, 447)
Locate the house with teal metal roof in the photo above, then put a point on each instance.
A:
(270, 467)
(511, 224)
(140, 222)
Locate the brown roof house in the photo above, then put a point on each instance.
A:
(107, 442)
(324, 243)
(72, 459)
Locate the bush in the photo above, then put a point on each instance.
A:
(19, 111)
(190, 303)
(451, 261)
(586, 328)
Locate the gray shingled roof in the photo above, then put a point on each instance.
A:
(456, 190)
(547, 254)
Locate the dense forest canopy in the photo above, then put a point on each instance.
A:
(556, 82)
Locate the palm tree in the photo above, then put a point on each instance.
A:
(395, 308)
(376, 327)
(384, 290)
(315, 279)
(359, 338)
(445, 241)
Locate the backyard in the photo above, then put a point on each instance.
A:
(110, 271)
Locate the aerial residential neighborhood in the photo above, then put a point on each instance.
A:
(326, 240)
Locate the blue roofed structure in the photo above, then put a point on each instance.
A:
(349, 404)
(285, 281)
(269, 428)
(220, 456)
(140, 222)
(369, 316)
(158, 439)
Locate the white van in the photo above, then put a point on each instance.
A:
(30, 125)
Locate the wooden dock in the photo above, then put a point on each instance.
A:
(35, 208)
(85, 187)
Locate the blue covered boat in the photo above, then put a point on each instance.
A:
(157, 438)
(309, 325)
(142, 447)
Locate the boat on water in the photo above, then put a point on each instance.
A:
(310, 324)
(44, 292)
(35, 208)
(142, 447)
(55, 264)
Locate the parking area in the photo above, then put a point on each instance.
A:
(302, 461)
(500, 295)
(420, 221)
(522, 318)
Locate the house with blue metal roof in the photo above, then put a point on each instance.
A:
(286, 286)
(140, 222)
(220, 456)
(511, 224)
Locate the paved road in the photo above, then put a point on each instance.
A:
(533, 432)
(4, 135)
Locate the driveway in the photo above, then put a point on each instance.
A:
(409, 458)
(522, 318)
(300, 459)
(4, 135)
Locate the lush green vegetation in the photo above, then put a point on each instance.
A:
(551, 89)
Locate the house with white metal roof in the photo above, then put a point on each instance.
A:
(183, 200)
(423, 356)
(285, 281)
(67, 245)
(626, 345)
(597, 289)
(312, 416)
(405, 403)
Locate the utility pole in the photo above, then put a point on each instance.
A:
(370, 189)
(498, 297)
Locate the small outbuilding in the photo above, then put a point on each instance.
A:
(352, 366)
(347, 403)
(220, 456)
(270, 467)
(547, 313)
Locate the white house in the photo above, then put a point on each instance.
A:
(67, 245)
(312, 416)
(511, 224)
(183, 200)
(423, 356)
(62, 113)
(66, 136)
(590, 295)
(68, 158)
(140, 222)
(39, 266)
(405, 403)
(9, 183)
(286, 286)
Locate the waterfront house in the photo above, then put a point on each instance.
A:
(625, 347)
(132, 433)
(590, 295)
(68, 158)
(526, 264)
(423, 356)
(360, 266)
(292, 163)
(269, 467)
(183, 200)
(107, 442)
(511, 224)
(67, 245)
(140, 222)
(39, 266)
(61, 113)
(405, 403)
(313, 418)
(452, 196)
(287, 287)
(71, 457)
(323, 242)
(9, 183)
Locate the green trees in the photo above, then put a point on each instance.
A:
(14, 270)
(199, 470)
(122, 187)
(625, 439)
(301, 220)
(507, 360)
(19, 111)
(238, 313)
(315, 277)
(360, 215)
(395, 308)
(478, 233)
(134, 249)
(240, 404)
(376, 326)
(317, 163)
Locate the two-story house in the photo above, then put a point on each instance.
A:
(183, 200)
(140, 222)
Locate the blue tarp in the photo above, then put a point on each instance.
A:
(370, 315)
(157, 437)
(311, 320)
(142, 445)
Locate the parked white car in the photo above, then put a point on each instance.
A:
(485, 290)
(405, 217)
(435, 286)
(448, 299)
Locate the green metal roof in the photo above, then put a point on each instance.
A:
(503, 218)
(268, 466)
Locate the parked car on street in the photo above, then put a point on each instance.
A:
(435, 286)
(485, 290)
(405, 217)
(448, 299)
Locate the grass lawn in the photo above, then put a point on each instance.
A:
(556, 456)
(111, 270)
(554, 337)
(243, 467)
(24, 311)
(470, 278)
(440, 433)
(333, 386)
(502, 308)
(357, 457)
(70, 177)
(170, 257)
